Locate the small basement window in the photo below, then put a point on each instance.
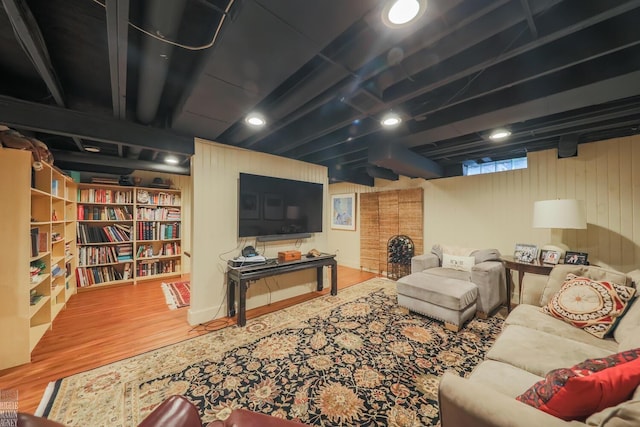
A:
(473, 168)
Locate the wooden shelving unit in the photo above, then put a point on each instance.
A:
(38, 225)
(127, 234)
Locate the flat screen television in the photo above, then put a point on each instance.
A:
(269, 206)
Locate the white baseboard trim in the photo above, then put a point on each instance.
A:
(197, 317)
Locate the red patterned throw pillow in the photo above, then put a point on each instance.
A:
(593, 306)
(586, 388)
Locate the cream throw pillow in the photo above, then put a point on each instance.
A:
(458, 262)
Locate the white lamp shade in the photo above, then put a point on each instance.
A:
(561, 213)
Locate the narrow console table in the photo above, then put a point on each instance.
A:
(240, 278)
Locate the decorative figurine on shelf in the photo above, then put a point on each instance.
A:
(54, 216)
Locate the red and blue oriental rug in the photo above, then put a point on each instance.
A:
(351, 359)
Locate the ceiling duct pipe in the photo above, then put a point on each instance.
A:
(161, 18)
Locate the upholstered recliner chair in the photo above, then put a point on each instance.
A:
(451, 284)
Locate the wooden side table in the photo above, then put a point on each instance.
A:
(535, 267)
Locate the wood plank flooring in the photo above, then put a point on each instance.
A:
(108, 325)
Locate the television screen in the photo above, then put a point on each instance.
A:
(276, 206)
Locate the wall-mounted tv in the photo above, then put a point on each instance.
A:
(269, 206)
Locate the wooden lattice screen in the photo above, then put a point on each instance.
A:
(383, 215)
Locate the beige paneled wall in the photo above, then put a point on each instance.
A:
(496, 209)
(215, 172)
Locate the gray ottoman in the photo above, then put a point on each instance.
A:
(450, 300)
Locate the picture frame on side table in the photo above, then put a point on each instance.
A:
(548, 256)
(525, 252)
(576, 258)
(343, 211)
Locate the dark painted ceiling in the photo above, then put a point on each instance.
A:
(80, 73)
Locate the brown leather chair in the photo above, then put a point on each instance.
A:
(177, 411)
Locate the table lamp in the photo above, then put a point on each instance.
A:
(557, 215)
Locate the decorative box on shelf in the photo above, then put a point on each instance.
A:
(289, 256)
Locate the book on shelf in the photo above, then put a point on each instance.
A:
(104, 180)
(35, 238)
(43, 241)
(126, 273)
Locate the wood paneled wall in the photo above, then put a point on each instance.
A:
(215, 172)
(496, 209)
(386, 214)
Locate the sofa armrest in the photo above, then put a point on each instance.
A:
(635, 277)
(422, 262)
(465, 403)
(490, 278)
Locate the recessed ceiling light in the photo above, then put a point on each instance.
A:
(398, 13)
(92, 149)
(172, 160)
(499, 134)
(255, 119)
(390, 120)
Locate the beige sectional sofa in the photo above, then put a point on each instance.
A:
(531, 344)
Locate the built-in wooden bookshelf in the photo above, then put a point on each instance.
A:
(127, 234)
(38, 228)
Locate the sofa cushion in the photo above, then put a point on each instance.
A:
(559, 273)
(530, 316)
(594, 306)
(626, 414)
(483, 255)
(449, 273)
(539, 352)
(458, 262)
(629, 325)
(441, 291)
(492, 374)
(588, 387)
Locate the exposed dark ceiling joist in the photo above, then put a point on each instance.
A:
(66, 157)
(323, 73)
(27, 31)
(58, 121)
(118, 36)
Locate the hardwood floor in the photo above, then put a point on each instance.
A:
(108, 325)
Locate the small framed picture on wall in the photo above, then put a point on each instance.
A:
(343, 211)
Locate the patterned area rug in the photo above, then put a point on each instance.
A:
(177, 294)
(351, 359)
